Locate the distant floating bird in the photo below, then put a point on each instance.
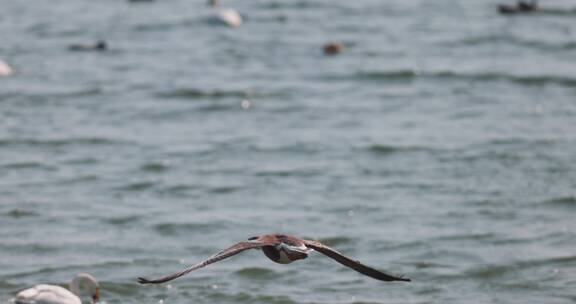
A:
(52, 294)
(283, 249)
(99, 45)
(333, 48)
(520, 7)
(5, 69)
(226, 16)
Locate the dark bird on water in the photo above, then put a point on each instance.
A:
(520, 7)
(99, 45)
(283, 249)
(333, 48)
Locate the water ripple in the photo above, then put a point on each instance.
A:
(257, 273)
(51, 94)
(122, 220)
(242, 297)
(27, 165)
(174, 229)
(191, 93)
(156, 167)
(281, 5)
(384, 150)
(513, 40)
(137, 186)
(82, 141)
(569, 12)
(491, 271)
(19, 213)
(337, 240)
(406, 75)
(565, 201)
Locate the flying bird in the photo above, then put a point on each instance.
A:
(283, 249)
(53, 294)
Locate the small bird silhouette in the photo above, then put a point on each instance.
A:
(99, 45)
(520, 7)
(333, 48)
(283, 249)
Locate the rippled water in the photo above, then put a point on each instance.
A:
(440, 145)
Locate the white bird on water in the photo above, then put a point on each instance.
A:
(226, 16)
(82, 284)
(5, 69)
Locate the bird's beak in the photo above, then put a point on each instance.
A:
(96, 296)
(301, 250)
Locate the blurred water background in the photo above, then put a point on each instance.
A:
(440, 145)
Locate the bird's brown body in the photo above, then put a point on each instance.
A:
(333, 48)
(283, 249)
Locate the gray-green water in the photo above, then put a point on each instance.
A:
(440, 145)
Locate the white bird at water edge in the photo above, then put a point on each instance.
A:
(82, 284)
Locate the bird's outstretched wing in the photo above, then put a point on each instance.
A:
(233, 250)
(356, 265)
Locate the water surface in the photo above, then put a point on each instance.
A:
(439, 145)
